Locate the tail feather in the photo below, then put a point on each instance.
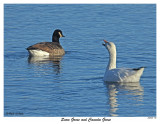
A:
(136, 69)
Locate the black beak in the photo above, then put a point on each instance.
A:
(103, 44)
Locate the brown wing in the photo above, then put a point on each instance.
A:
(45, 46)
(51, 47)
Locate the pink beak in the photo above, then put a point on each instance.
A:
(105, 41)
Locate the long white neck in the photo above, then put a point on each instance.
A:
(112, 59)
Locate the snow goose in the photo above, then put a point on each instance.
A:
(48, 48)
(114, 74)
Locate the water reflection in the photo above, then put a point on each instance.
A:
(133, 91)
(54, 62)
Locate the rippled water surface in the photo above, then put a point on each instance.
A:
(72, 85)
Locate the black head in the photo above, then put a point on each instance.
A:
(58, 33)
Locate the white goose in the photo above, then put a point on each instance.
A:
(114, 74)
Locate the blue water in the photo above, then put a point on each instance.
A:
(73, 85)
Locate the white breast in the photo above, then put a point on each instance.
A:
(38, 53)
(123, 75)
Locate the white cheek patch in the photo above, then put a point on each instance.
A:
(60, 34)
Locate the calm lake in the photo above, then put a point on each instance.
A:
(72, 85)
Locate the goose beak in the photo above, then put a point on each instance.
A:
(104, 42)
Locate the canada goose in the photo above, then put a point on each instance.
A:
(48, 48)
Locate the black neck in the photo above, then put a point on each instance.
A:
(55, 39)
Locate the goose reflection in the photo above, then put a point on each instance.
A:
(54, 62)
(133, 90)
